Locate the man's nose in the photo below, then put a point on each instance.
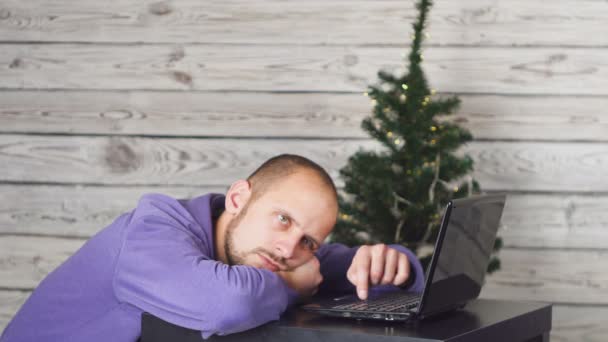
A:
(286, 247)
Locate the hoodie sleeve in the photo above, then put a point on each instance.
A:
(163, 269)
(336, 258)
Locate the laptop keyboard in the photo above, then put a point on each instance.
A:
(387, 303)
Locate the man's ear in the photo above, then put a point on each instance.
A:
(237, 196)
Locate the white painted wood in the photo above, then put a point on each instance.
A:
(579, 324)
(552, 276)
(185, 113)
(25, 261)
(195, 162)
(474, 22)
(529, 220)
(10, 302)
(75, 211)
(504, 166)
(577, 167)
(555, 221)
(555, 276)
(574, 71)
(282, 114)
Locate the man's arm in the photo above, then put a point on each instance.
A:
(162, 270)
(336, 259)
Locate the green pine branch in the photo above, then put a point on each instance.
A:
(398, 195)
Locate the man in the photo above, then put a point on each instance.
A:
(218, 264)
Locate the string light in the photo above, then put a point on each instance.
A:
(404, 86)
(433, 91)
(389, 134)
(402, 97)
(433, 142)
(433, 128)
(365, 94)
(455, 189)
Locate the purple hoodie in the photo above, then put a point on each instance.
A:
(160, 258)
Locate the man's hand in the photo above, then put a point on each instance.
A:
(305, 279)
(377, 264)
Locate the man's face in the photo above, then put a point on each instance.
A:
(282, 229)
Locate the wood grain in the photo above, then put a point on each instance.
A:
(234, 114)
(529, 220)
(574, 71)
(74, 211)
(541, 275)
(10, 302)
(579, 324)
(25, 261)
(551, 276)
(147, 161)
(555, 221)
(500, 166)
(476, 22)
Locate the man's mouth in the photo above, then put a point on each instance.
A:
(269, 264)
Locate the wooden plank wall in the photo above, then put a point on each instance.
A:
(100, 103)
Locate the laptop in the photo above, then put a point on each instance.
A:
(454, 276)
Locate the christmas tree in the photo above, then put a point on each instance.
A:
(398, 195)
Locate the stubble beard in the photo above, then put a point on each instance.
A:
(232, 256)
(235, 257)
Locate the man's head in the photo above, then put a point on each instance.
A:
(280, 214)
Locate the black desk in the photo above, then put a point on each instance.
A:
(481, 320)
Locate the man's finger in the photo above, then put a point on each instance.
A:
(403, 270)
(390, 267)
(362, 266)
(378, 256)
(351, 275)
(362, 283)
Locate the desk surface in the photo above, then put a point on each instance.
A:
(480, 320)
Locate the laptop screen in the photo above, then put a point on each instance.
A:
(463, 251)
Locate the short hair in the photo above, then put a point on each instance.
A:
(281, 166)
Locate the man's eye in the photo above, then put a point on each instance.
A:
(308, 243)
(283, 219)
